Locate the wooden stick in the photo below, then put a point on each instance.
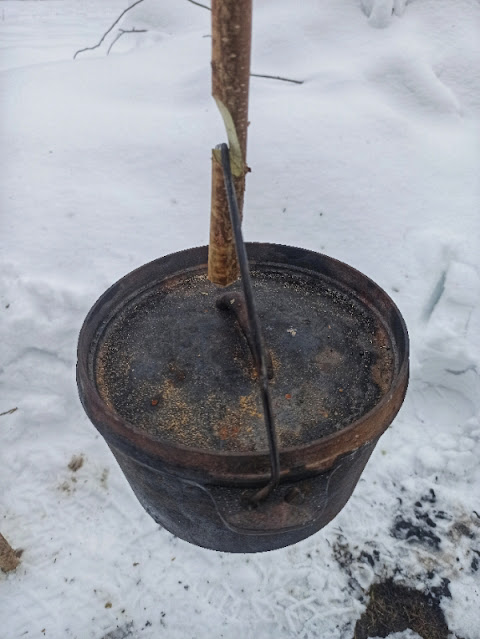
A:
(8, 557)
(231, 45)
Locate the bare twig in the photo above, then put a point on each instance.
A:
(122, 32)
(276, 77)
(199, 4)
(109, 30)
(119, 35)
(9, 412)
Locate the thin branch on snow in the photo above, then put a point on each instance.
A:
(199, 4)
(9, 412)
(276, 77)
(121, 32)
(109, 30)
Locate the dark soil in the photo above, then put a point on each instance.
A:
(404, 529)
(395, 608)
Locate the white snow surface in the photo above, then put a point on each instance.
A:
(374, 159)
(406, 634)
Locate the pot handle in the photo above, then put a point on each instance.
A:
(291, 506)
(235, 303)
(250, 324)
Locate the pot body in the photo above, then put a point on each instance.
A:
(204, 496)
(218, 517)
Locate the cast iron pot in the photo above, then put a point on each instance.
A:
(168, 380)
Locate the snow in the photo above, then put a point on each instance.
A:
(407, 634)
(374, 160)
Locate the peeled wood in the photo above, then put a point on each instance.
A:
(231, 45)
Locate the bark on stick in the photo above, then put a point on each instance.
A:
(231, 45)
(8, 557)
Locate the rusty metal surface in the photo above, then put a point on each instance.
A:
(178, 369)
(152, 343)
(217, 518)
(249, 466)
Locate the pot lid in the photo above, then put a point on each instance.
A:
(174, 366)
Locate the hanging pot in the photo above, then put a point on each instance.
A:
(167, 377)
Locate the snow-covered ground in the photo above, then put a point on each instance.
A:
(374, 159)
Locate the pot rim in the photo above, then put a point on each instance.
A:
(249, 467)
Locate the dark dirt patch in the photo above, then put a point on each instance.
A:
(121, 632)
(430, 497)
(76, 463)
(395, 608)
(475, 561)
(404, 529)
(421, 526)
(460, 529)
(442, 590)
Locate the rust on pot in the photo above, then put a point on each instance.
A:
(166, 377)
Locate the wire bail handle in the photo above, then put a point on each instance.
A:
(252, 330)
